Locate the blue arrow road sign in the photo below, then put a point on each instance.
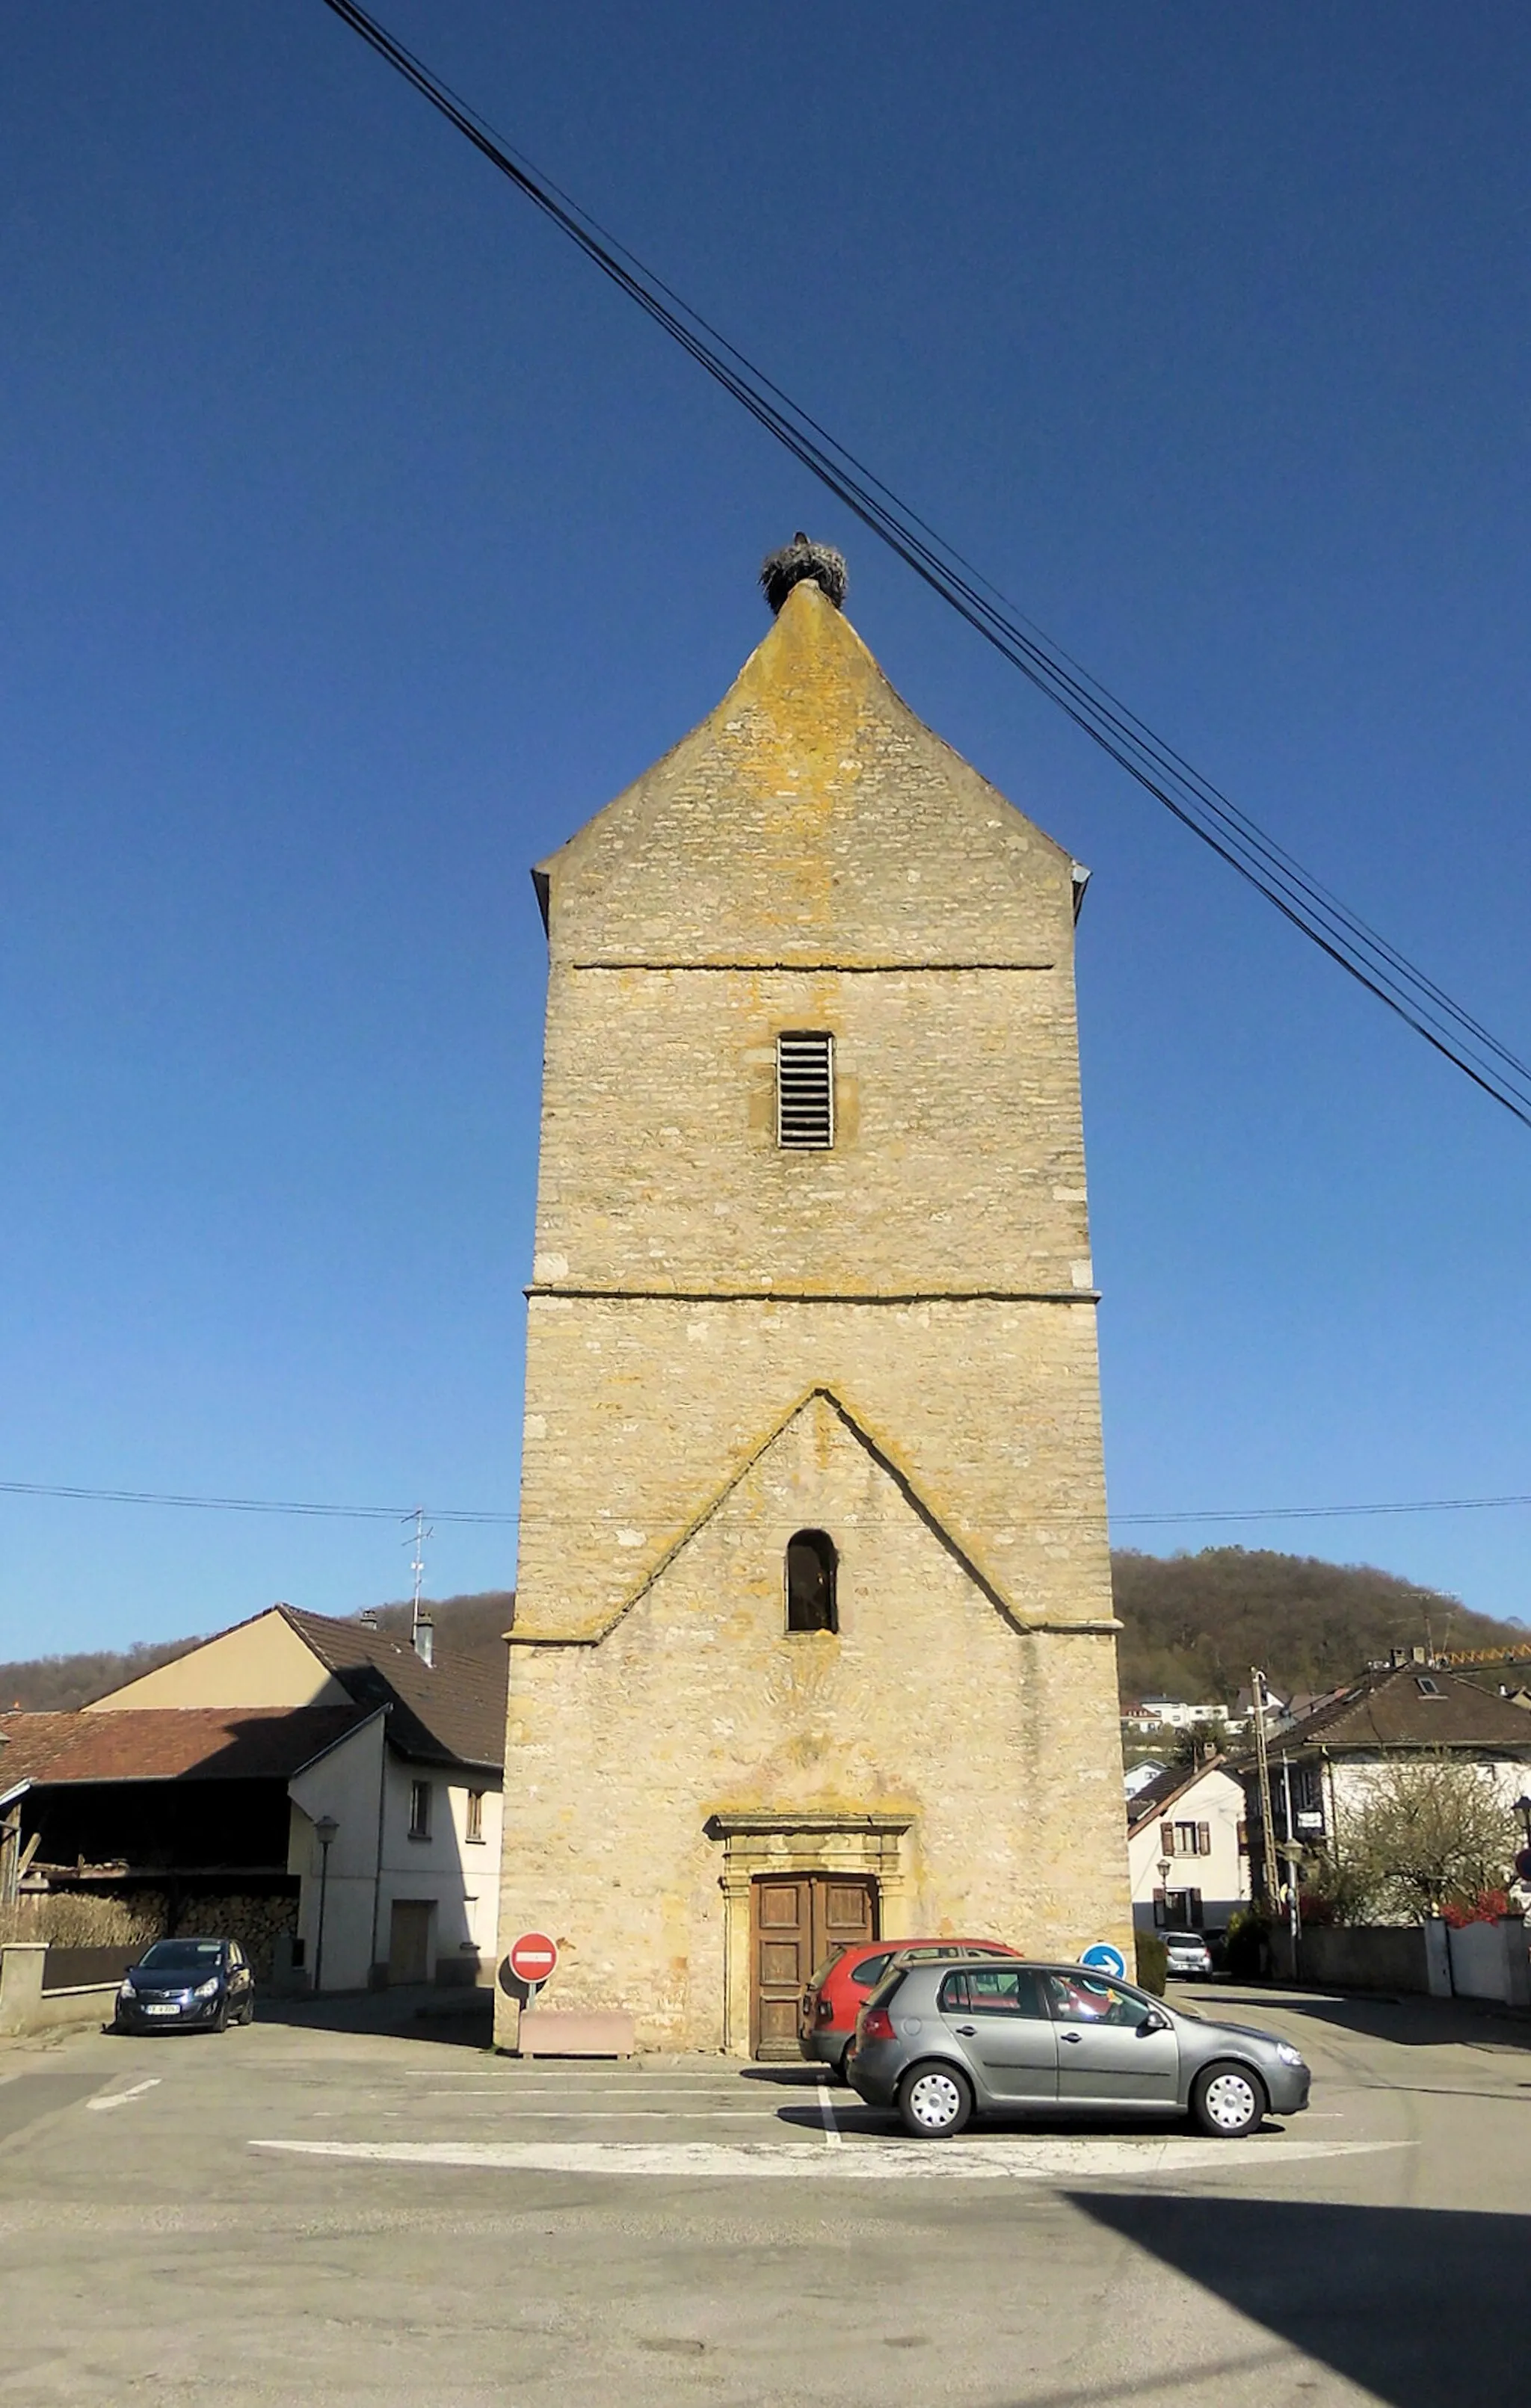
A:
(1103, 1959)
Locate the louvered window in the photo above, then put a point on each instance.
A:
(805, 1090)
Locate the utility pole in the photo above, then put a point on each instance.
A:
(1262, 1760)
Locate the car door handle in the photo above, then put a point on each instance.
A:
(1073, 2038)
(969, 2032)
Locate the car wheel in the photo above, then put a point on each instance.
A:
(249, 2015)
(934, 2101)
(1227, 2101)
(220, 2021)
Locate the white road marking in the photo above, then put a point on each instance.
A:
(120, 2098)
(645, 2089)
(920, 2161)
(825, 2108)
(528, 2069)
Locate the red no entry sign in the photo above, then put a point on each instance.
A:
(533, 1956)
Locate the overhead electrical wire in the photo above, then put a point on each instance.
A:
(1195, 801)
(462, 1514)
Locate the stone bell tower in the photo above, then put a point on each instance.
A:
(814, 1630)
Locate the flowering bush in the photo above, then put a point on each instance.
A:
(1487, 1907)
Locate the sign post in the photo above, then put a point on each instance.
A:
(534, 1958)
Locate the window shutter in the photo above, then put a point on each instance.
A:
(1204, 1839)
(805, 1091)
(1167, 1838)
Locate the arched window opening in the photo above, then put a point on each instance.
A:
(811, 1565)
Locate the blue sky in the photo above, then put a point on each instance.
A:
(360, 542)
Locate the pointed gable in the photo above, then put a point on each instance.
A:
(812, 818)
(816, 1432)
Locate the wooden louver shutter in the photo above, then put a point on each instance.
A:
(805, 1090)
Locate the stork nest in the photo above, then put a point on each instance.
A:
(801, 559)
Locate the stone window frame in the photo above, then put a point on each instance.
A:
(830, 1569)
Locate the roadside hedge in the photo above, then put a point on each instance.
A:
(1153, 1963)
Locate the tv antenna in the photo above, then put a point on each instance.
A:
(422, 1631)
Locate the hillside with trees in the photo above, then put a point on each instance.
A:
(1193, 1625)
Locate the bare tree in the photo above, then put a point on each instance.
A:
(1431, 1829)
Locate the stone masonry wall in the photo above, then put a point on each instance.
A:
(928, 1703)
(893, 1341)
(644, 1409)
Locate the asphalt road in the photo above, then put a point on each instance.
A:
(289, 2213)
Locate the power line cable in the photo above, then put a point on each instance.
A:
(466, 1515)
(242, 1504)
(1371, 959)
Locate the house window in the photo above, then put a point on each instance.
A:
(805, 1090)
(1185, 1838)
(420, 1810)
(811, 1566)
(476, 1815)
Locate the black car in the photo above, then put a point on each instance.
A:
(187, 1984)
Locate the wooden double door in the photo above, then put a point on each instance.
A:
(798, 1920)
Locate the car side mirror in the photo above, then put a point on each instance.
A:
(1153, 2021)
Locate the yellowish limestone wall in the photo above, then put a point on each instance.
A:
(893, 1341)
(927, 1711)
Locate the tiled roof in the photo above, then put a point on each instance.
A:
(29, 1741)
(172, 1742)
(1166, 1786)
(452, 1711)
(1392, 1709)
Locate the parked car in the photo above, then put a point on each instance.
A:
(1189, 1953)
(941, 2042)
(840, 1987)
(187, 1984)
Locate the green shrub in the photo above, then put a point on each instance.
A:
(1153, 1963)
(1249, 1947)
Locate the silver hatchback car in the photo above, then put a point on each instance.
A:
(941, 2042)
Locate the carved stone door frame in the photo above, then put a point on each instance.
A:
(801, 1843)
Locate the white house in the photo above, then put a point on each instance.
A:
(314, 1783)
(1323, 1768)
(1188, 1865)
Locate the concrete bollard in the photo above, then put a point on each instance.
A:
(21, 1964)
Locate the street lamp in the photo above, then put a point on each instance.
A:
(324, 1831)
(1166, 1866)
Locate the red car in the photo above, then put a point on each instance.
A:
(841, 1985)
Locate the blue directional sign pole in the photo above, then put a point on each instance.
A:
(1103, 1959)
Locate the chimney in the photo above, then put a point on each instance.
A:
(425, 1638)
(368, 1618)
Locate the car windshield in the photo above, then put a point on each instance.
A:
(181, 1956)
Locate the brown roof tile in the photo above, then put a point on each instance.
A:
(173, 1742)
(1395, 1708)
(450, 1712)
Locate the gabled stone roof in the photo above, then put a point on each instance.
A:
(812, 814)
